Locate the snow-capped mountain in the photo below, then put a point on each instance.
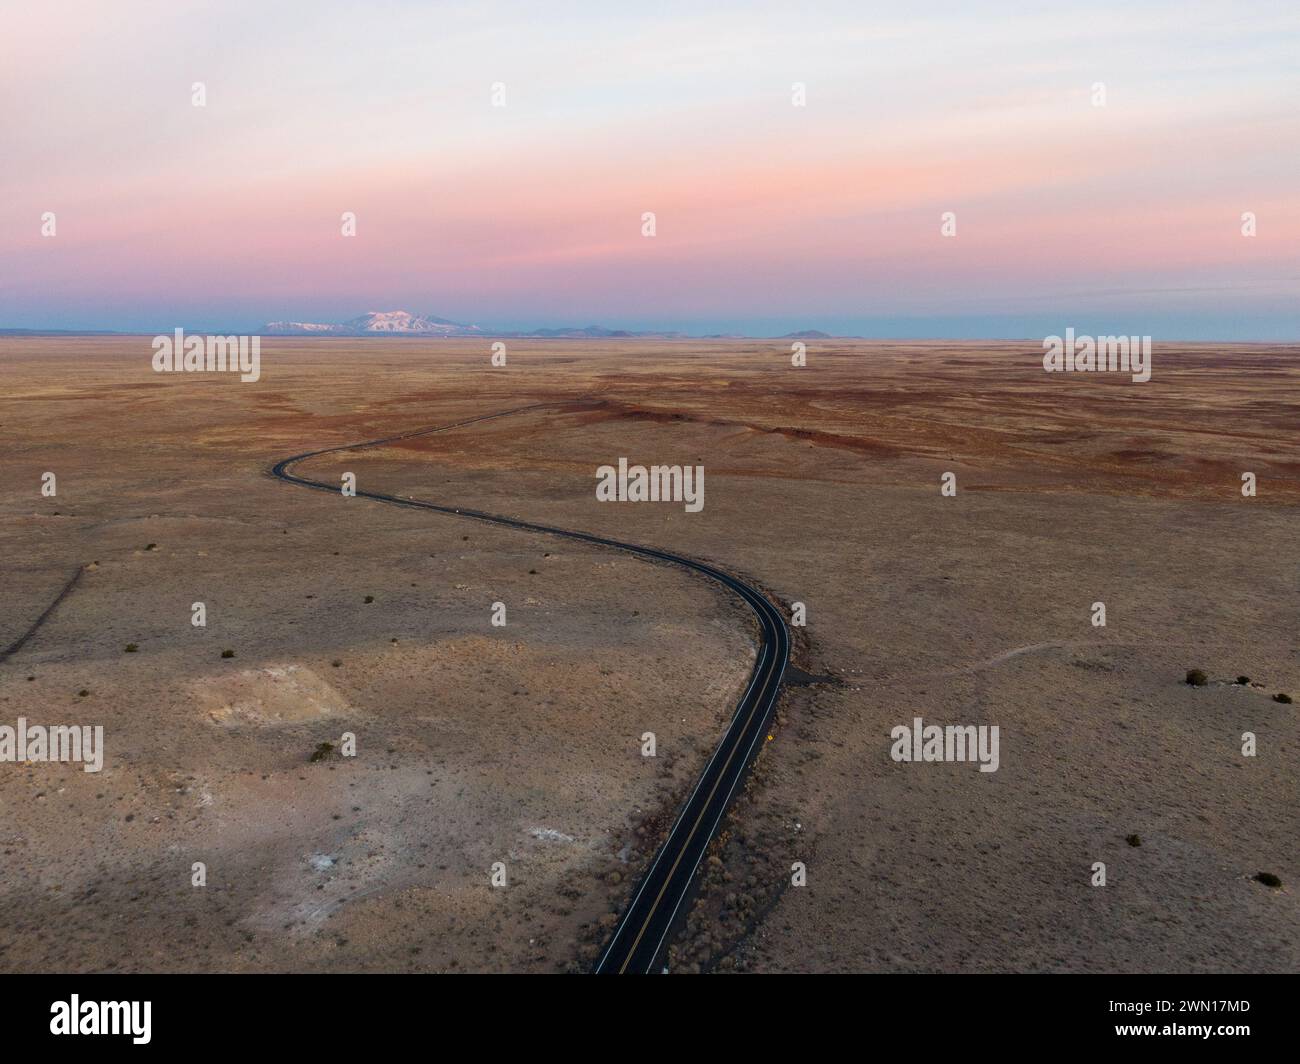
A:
(401, 322)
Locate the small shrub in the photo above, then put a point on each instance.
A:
(1282, 697)
(82, 693)
(336, 663)
(1196, 678)
(227, 653)
(131, 648)
(151, 546)
(322, 751)
(1268, 879)
(370, 599)
(1243, 680)
(1133, 840)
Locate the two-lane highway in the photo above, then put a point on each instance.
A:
(638, 941)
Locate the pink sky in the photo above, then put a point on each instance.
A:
(826, 215)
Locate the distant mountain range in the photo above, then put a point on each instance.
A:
(384, 322)
(404, 323)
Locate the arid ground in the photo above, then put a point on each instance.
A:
(522, 744)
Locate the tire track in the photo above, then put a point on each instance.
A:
(18, 643)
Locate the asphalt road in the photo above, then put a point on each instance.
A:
(638, 941)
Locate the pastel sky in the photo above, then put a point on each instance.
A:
(770, 217)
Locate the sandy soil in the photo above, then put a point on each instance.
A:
(520, 744)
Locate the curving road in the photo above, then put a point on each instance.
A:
(638, 941)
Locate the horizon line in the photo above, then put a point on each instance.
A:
(664, 336)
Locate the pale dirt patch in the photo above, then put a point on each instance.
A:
(275, 694)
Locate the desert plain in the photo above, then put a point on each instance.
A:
(519, 747)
